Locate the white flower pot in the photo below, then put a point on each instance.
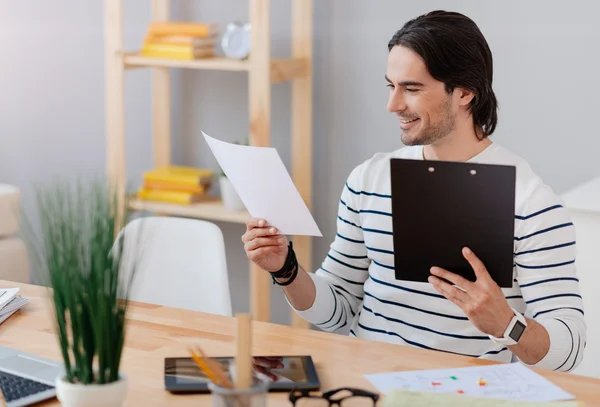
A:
(91, 395)
(231, 199)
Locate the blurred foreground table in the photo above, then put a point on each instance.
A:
(155, 332)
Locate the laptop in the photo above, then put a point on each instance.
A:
(26, 378)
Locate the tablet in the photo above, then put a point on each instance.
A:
(438, 207)
(182, 375)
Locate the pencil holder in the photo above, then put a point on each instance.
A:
(255, 396)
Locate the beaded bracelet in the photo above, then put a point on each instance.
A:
(289, 269)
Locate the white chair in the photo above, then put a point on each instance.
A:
(180, 263)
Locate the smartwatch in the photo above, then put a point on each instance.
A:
(513, 332)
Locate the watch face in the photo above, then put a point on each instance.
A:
(517, 331)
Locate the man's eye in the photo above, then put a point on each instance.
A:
(389, 85)
(412, 90)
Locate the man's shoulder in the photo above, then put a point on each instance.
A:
(532, 194)
(373, 173)
(381, 160)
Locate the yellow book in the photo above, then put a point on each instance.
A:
(162, 28)
(176, 186)
(176, 197)
(171, 51)
(183, 170)
(196, 42)
(180, 175)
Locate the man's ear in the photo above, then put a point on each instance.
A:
(464, 96)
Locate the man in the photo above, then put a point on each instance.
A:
(439, 72)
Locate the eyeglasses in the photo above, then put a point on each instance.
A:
(342, 397)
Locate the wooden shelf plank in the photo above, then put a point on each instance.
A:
(133, 60)
(213, 210)
(281, 69)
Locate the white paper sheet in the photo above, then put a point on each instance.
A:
(264, 186)
(510, 381)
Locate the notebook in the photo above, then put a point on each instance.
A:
(10, 302)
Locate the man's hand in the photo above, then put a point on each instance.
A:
(264, 245)
(264, 364)
(482, 301)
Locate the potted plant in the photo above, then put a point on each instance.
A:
(78, 259)
(230, 197)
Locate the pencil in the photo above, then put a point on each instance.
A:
(211, 367)
(203, 366)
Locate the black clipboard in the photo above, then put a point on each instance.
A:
(438, 207)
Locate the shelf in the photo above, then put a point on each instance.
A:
(263, 71)
(133, 60)
(213, 210)
(281, 69)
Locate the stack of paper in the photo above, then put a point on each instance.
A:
(10, 302)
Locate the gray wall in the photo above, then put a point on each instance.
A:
(51, 82)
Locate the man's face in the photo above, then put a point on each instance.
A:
(425, 110)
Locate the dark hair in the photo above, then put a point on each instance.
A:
(456, 53)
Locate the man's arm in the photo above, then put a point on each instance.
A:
(545, 251)
(533, 345)
(301, 293)
(486, 307)
(330, 297)
(545, 261)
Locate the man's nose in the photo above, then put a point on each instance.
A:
(396, 103)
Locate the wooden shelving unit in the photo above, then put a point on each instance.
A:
(281, 69)
(209, 210)
(263, 71)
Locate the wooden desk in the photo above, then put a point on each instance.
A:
(156, 332)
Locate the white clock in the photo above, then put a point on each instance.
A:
(236, 40)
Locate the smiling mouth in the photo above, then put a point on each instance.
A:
(406, 121)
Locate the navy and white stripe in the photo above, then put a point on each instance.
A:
(356, 285)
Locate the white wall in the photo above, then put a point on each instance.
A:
(51, 85)
(587, 225)
(52, 92)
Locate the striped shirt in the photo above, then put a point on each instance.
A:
(356, 287)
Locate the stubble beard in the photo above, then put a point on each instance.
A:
(434, 132)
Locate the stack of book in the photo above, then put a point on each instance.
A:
(180, 40)
(10, 302)
(177, 184)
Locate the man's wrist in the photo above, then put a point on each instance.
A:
(513, 332)
(285, 281)
(503, 323)
(289, 271)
